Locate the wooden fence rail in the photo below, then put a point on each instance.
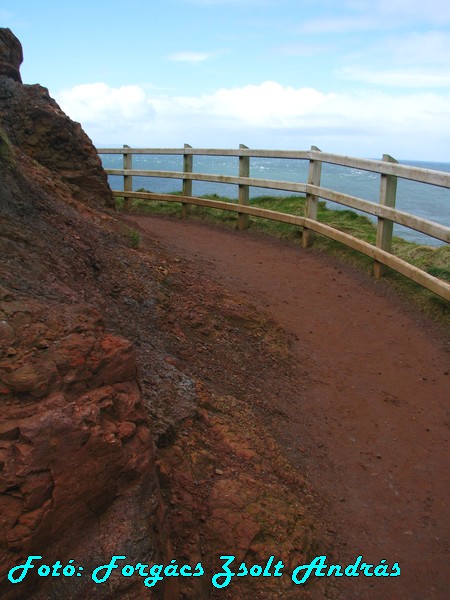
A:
(385, 211)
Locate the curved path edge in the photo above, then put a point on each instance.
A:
(368, 415)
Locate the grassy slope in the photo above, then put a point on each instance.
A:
(434, 260)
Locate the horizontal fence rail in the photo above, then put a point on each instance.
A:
(385, 212)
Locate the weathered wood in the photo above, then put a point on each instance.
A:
(127, 179)
(388, 191)
(253, 153)
(150, 151)
(244, 190)
(440, 232)
(429, 176)
(290, 154)
(188, 162)
(439, 287)
(153, 173)
(436, 230)
(312, 200)
(439, 178)
(388, 168)
(287, 186)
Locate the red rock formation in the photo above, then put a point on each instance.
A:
(75, 446)
(35, 123)
(77, 474)
(11, 56)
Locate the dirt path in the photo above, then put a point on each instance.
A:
(369, 417)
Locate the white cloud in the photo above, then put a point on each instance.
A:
(419, 48)
(267, 103)
(269, 115)
(379, 15)
(396, 78)
(97, 102)
(411, 60)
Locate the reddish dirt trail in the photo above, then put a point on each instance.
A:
(368, 416)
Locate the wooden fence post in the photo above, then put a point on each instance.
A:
(312, 201)
(388, 191)
(188, 162)
(127, 179)
(243, 198)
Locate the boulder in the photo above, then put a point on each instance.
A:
(77, 465)
(11, 55)
(76, 453)
(36, 124)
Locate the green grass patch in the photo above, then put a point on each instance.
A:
(6, 152)
(433, 260)
(132, 238)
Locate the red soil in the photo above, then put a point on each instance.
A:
(365, 417)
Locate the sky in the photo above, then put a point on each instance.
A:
(355, 77)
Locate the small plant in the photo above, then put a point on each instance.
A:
(5, 147)
(133, 238)
(119, 202)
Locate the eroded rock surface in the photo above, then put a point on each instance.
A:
(35, 123)
(75, 444)
(77, 473)
(79, 403)
(11, 55)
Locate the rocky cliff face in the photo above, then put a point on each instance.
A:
(75, 444)
(78, 402)
(34, 122)
(11, 55)
(77, 473)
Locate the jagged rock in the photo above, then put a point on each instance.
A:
(11, 55)
(35, 123)
(77, 472)
(75, 447)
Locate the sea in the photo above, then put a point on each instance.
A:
(419, 199)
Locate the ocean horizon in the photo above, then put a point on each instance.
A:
(419, 199)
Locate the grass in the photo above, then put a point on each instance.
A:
(132, 238)
(6, 153)
(433, 260)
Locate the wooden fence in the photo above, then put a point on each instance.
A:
(384, 211)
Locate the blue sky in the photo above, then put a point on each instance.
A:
(357, 77)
